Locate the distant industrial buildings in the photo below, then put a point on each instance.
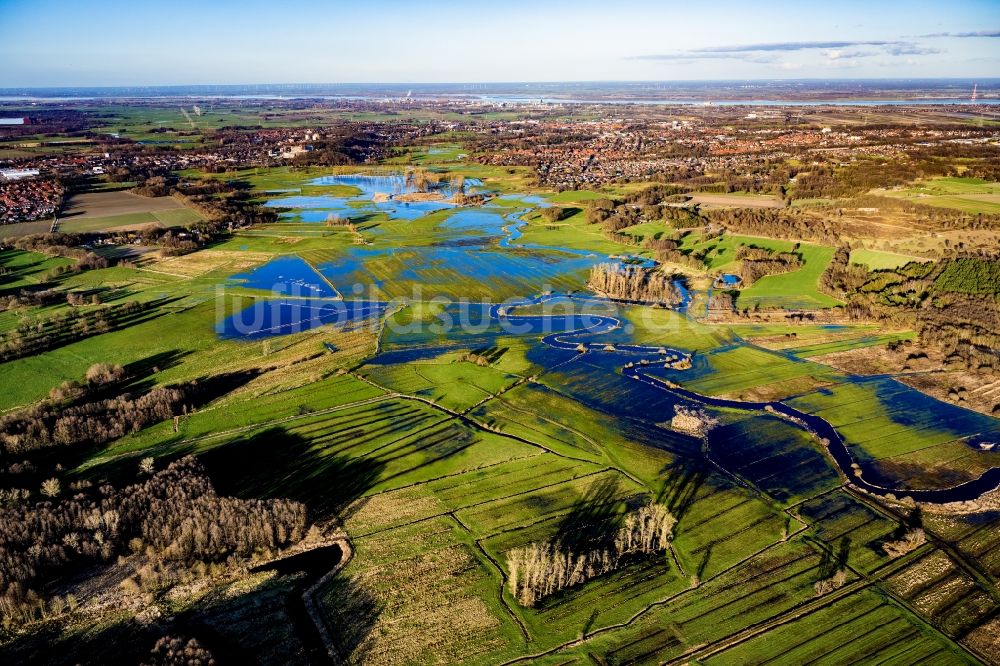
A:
(17, 174)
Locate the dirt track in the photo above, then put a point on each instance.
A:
(726, 200)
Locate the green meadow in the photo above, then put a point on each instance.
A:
(438, 453)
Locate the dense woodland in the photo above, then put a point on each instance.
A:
(174, 516)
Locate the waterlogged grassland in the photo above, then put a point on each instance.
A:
(881, 419)
(456, 275)
(740, 371)
(673, 329)
(774, 456)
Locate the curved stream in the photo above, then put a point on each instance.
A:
(814, 425)
(570, 340)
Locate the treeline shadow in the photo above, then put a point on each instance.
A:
(681, 487)
(352, 612)
(594, 519)
(276, 463)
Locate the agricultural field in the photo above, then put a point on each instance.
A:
(877, 259)
(970, 195)
(797, 289)
(102, 211)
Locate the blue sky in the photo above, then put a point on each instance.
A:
(60, 42)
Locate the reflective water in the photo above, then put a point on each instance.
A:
(289, 275)
(266, 318)
(318, 208)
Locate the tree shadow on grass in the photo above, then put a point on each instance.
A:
(351, 612)
(121, 470)
(594, 519)
(276, 463)
(113, 644)
(833, 557)
(680, 488)
(155, 363)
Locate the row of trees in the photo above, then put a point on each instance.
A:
(96, 422)
(62, 245)
(787, 223)
(33, 337)
(68, 418)
(841, 277)
(541, 569)
(28, 298)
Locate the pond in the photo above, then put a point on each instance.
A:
(728, 281)
(288, 275)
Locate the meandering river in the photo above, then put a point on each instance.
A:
(827, 435)
(497, 229)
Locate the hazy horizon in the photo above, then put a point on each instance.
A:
(538, 83)
(111, 44)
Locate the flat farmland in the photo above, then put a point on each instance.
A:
(95, 211)
(419, 594)
(766, 587)
(862, 627)
(944, 594)
(735, 200)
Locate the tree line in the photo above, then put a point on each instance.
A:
(542, 569)
(634, 283)
(758, 262)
